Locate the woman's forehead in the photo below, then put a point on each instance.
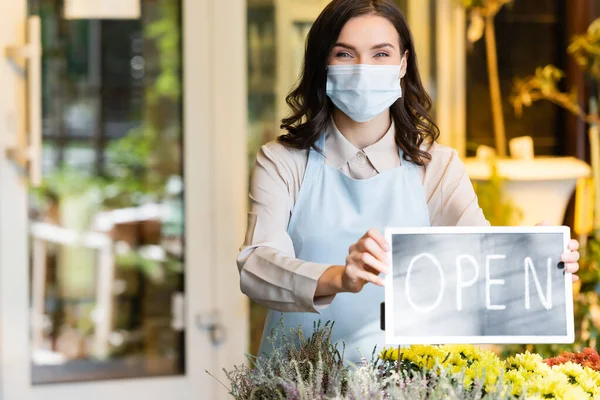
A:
(369, 30)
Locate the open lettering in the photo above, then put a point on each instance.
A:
(468, 275)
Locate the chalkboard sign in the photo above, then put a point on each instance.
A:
(478, 285)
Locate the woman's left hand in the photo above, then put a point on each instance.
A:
(571, 257)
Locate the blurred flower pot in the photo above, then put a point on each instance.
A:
(540, 187)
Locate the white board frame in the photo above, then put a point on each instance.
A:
(391, 339)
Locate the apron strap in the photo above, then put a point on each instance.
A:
(315, 160)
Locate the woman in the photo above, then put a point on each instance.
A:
(359, 154)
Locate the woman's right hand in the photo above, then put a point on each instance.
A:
(366, 259)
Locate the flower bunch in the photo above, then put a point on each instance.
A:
(312, 368)
(587, 358)
(476, 365)
(522, 375)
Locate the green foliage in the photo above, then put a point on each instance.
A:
(153, 269)
(165, 31)
(145, 158)
(585, 49)
(142, 161)
(543, 85)
(67, 181)
(497, 209)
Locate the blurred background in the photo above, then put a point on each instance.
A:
(130, 131)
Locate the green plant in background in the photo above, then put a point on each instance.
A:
(148, 155)
(544, 85)
(490, 194)
(482, 14)
(150, 266)
(142, 161)
(67, 182)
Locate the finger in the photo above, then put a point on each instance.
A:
(575, 278)
(356, 259)
(572, 267)
(367, 277)
(571, 257)
(573, 245)
(378, 237)
(544, 223)
(371, 246)
(369, 260)
(352, 248)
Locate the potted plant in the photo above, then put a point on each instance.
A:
(525, 179)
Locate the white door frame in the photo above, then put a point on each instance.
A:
(215, 197)
(216, 90)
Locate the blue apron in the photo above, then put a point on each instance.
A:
(332, 212)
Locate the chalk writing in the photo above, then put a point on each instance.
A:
(545, 300)
(442, 284)
(462, 283)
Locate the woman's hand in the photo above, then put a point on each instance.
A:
(570, 258)
(366, 259)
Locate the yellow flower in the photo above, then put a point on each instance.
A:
(535, 397)
(524, 374)
(423, 356)
(515, 379)
(555, 385)
(390, 354)
(528, 361)
(573, 371)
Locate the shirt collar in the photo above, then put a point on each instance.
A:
(383, 154)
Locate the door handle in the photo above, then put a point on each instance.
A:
(27, 153)
(209, 322)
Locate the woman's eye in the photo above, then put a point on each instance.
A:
(343, 54)
(382, 54)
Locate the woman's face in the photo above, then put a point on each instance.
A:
(368, 39)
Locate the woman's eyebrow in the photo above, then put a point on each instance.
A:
(377, 46)
(382, 45)
(344, 45)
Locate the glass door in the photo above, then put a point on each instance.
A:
(106, 221)
(101, 296)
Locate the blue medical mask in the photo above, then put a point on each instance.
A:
(363, 91)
